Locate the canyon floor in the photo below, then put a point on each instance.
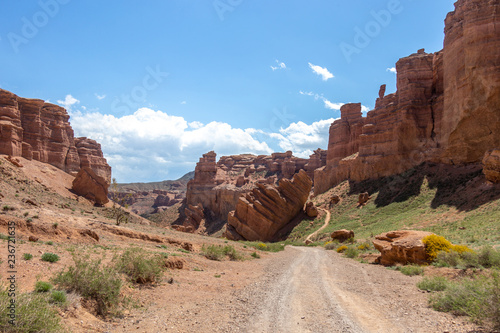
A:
(301, 289)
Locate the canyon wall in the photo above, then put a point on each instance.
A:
(446, 108)
(217, 186)
(41, 131)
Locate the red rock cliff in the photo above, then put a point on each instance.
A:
(41, 131)
(446, 108)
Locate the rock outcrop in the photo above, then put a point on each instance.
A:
(37, 130)
(311, 210)
(91, 186)
(401, 247)
(491, 165)
(342, 235)
(260, 214)
(445, 109)
(217, 186)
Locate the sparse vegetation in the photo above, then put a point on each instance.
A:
(351, 252)
(27, 256)
(255, 255)
(43, 287)
(487, 257)
(478, 298)
(50, 257)
(93, 280)
(58, 296)
(411, 270)
(140, 266)
(268, 247)
(342, 249)
(435, 283)
(33, 314)
(217, 252)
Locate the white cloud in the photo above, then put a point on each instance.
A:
(68, 102)
(279, 65)
(183, 103)
(323, 72)
(100, 97)
(151, 145)
(332, 106)
(392, 70)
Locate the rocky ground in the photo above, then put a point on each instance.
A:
(301, 289)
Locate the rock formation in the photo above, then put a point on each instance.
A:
(91, 156)
(401, 247)
(342, 235)
(491, 163)
(217, 186)
(91, 186)
(445, 109)
(260, 214)
(41, 131)
(311, 210)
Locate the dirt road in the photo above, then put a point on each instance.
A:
(313, 290)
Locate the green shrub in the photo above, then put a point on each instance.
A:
(93, 281)
(331, 245)
(217, 252)
(478, 298)
(58, 296)
(255, 255)
(351, 252)
(435, 244)
(411, 270)
(342, 249)
(43, 287)
(262, 246)
(140, 266)
(50, 243)
(33, 314)
(27, 256)
(212, 252)
(50, 257)
(435, 283)
(489, 257)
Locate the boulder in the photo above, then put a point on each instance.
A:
(401, 247)
(260, 214)
(342, 235)
(91, 186)
(311, 210)
(363, 198)
(491, 165)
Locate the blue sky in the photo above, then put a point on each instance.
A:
(160, 82)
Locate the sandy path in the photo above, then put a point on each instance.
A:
(327, 221)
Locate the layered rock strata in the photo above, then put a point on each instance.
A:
(445, 110)
(37, 130)
(217, 186)
(261, 213)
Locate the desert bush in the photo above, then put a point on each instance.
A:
(33, 314)
(489, 257)
(364, 246)
(92, 280)
(435, 244)
(27, 256)
(435, 283)
(411, 270)
(50, 257)
(331, 245)
(58, 296)
(478, 298)
(351, 252)
(262, 246)
(140, 266)
(342, 249)
(43, 287)
(217, 252)
(255, 255)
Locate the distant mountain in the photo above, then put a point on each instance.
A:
(166, 185)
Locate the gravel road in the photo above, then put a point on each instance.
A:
(314, 290)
